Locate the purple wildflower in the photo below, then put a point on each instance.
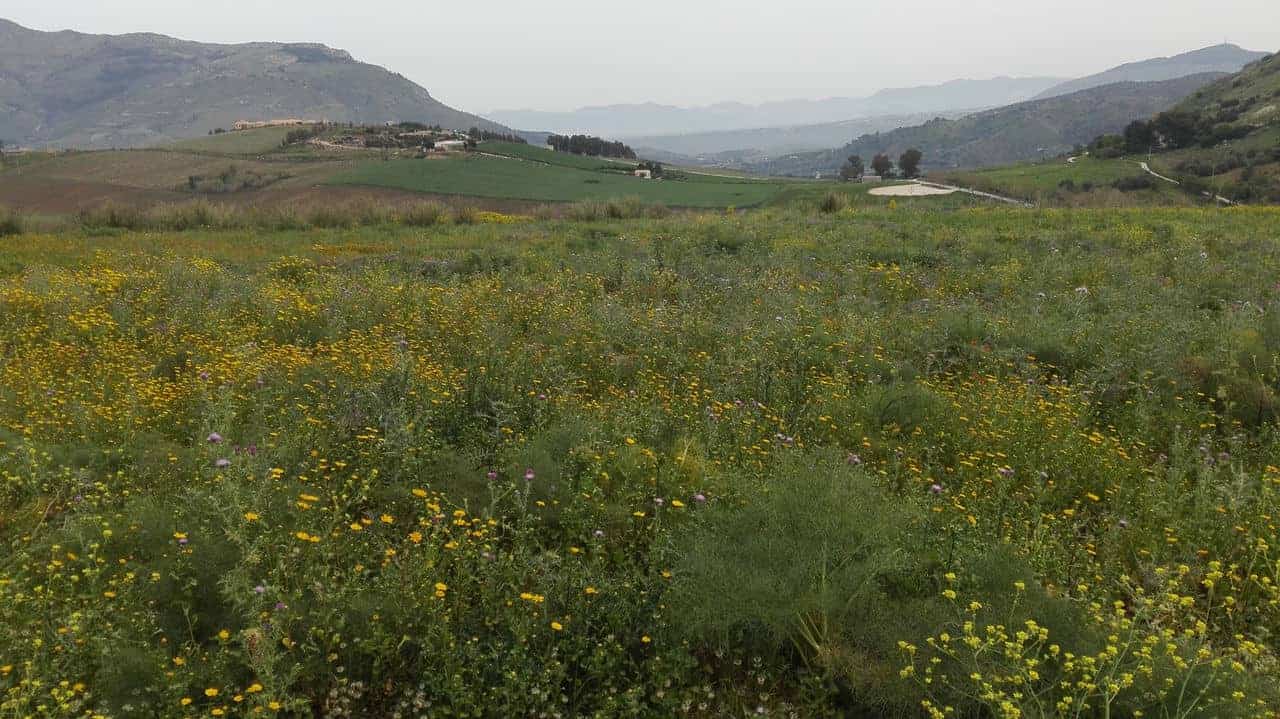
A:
(214, 437)
(700, 498)
(935, 488)
(491, 475)
(528, 474)
(222, 463)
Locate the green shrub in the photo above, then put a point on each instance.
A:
(423, 214)
(832, 202)
(11, 223)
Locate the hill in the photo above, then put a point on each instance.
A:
(1225, 138)
(1218, 58)
(1024, 131)
(69, 89)
(648, 119)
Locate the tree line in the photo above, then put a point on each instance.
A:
(882, 165)
(590, 145)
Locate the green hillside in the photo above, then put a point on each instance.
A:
(1225, 139)
(1026, 131)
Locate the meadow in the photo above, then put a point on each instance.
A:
(895, 459)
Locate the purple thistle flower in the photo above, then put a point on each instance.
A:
(491, 475)
(182, 540)
(935, 489)
(1005, 472)
(259, 589)
(528, 474)
(700, 498)
(853, 459)
(204, 375)
(598, 534)
(214, 437)
(222, 463)
(281, 605)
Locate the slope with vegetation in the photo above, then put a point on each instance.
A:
(1028, 130)
(69, 89)
(1224, 139)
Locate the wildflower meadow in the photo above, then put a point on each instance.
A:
(874, 462)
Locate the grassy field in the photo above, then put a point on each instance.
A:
(527, 180)
(903, 460)
(1085, 182)
(243, 142)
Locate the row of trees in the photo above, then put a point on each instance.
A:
(590, 145)
(908, 164)
(489, 135)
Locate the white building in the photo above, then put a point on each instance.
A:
(644, 174)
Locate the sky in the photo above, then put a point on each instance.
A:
(563, 54)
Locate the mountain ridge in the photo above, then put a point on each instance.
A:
(1225, 57)
(71, 89)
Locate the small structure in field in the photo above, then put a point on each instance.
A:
(450, 145)
(644, 174)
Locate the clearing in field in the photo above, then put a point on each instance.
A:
(913, 190)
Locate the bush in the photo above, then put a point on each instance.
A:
(423, 214)
(11, 223)
(831, 203)
(1135, 183)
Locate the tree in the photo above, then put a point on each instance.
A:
(909, 162)
(882, 165)
(1139, 136)
(853, 168)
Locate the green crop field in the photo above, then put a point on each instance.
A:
(241, 142)
(526, 180)
(917, 459)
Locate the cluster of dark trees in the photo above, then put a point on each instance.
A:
(1172, 130)
(589, 145)
(489, 135)
(302, 134)
(908, 164)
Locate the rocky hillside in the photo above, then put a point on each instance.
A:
(69, 89)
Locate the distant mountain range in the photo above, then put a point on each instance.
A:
(1217, 58)
(709, 146)
(1023, 131)
(69, 89)
(651, 119)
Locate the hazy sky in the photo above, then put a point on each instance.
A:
(560, 54)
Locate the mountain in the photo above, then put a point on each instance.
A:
(1218, 58)
(1024, 131)
(650, 119)
(771, 140)
(69, 89)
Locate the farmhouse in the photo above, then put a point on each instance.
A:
(451, 145)
(644, 174)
